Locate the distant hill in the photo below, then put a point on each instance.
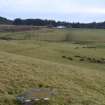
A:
(51, 23)
(5, 21)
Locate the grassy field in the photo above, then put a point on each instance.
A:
(72, 61)
(45, 34)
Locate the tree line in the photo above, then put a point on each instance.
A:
(51, 23)
(40, 22)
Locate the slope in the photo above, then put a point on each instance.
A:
(19, 71)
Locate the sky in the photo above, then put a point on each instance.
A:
(59, 10)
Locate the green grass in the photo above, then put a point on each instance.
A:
(45, 34)
(26, 64)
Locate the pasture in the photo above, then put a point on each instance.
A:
(72, 61)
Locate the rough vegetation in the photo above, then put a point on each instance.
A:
(59, 64)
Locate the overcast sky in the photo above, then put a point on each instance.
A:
(64, 10)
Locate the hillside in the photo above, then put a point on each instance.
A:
(72, 61)
(5, 21)
(26, 64)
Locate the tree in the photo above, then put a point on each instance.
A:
(18, 21)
